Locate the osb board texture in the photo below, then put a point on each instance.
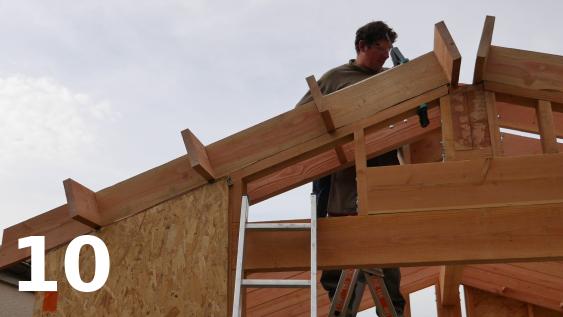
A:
(170, 260)
(491, 305)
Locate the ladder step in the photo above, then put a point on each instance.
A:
(276, 283)
(278, 226)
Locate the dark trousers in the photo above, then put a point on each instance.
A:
(392, 279)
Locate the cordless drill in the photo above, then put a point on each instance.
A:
(399, 59)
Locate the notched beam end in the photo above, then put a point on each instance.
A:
(197, 155)
(483, 50)
(82, 204)
(319, 102)
(447, 53)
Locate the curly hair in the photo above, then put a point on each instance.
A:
(373, 32)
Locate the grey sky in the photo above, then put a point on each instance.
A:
(99, 91)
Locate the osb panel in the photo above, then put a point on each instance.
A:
(170, 260)
(492, 305)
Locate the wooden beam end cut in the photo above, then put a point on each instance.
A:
(447, 53)
(197, 155)
(82, 204)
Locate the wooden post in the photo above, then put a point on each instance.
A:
(361, 165)
(484, 47)
(82, 204)
(450, 277)
(469, 304)
(447, 128)
(546, 127)
(407, 312)
(530, 310)
(494, 128)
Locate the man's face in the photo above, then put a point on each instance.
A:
(375, 55)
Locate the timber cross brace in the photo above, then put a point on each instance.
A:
(478, 206)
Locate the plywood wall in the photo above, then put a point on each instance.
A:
(170, 260)
(492, 305)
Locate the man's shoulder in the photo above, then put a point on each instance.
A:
(336, 71)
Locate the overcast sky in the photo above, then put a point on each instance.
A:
(98, 91)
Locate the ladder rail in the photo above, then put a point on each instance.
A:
(314, 256)
(237, 303)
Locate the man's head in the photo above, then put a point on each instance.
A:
(372, 45)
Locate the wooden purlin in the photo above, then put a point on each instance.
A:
(483, 50)
(447, 53)
(525, 96)
(82, 205)
(524, 119)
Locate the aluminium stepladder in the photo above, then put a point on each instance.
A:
(241, 283)
(357, 279)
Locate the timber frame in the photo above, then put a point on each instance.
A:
(475, 214)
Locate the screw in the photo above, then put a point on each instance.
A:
(405, 121)
(498, 116)
(391, 127)
(440, 122)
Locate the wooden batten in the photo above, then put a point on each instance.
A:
(325, 114)
(524, 119)
(546, 127)
(82, 204)
(447, 53)
(450, 277)
(527, 96)
(361, 166)
(483, 50)
(198, 155)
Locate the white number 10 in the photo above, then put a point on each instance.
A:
(38, 283)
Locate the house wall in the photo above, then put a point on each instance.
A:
(14, 303)
(170, 260)
(492, 305)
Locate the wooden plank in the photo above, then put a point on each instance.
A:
(524, 119)
(525, 69)
(469, 304)
(546, 127)
(406, 151)
(523, 274)
(407, 312)
(420, 279)
(482, 235)
(319, 102)
(483, 50)
(494, 128)
(530, 310)
(554, 269)
(197, 155)
(56, 225)
(447, 129)
(427, 149)
(522, 180)
(447, 53)
(510, 293)
(515, 145)
(553, 96)
(346, 106)
(340, 136)
(450, 276)
(361, 166)
(82, 205)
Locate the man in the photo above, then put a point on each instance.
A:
(337, 193)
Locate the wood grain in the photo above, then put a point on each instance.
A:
(483, 50)
(525, 96)
(447, 53)
(197, 155)
(361, 166)
(494, 128)
(515, 145)
(522, 180)
(546, 127)
(447, 129)
(481, 235)
(82, 205)
(524, 119)
(450, 277)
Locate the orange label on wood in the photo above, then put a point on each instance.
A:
(50, 301)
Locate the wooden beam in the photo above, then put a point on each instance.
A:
(524, 69)
(56, 225)
(469, 304)
(82, 205)
(361, 166)
(427, 149)
(481, 235)
(555, 97)
(407, 312)
(198, 155)
(524, 119)
(521, 180)
(325, 114)
(447, 53)
(514, 294)
(546, 127)
(450, 277)
(447, 129)
(446, 310)
(483, 50)
(341, 136)
(420, 279)
(515, 145)
(530, 310)
(461, 124)
(494, 129)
